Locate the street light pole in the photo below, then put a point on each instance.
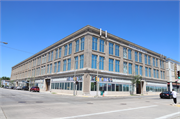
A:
(97, 85)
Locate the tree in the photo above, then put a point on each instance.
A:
(5, 78)
(135, 80)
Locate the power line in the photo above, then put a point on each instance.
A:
(17, 49)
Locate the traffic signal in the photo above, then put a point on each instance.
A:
(96, 78)
(178, 74)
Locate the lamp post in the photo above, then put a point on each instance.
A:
(97, 85)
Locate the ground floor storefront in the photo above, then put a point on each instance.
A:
(85, 84)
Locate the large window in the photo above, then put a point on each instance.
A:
(110, 64)
(69, 64)
(55, 67)
(154, 72)
(156, 62)
(49, 56)
(70, 48)
(125, 87)
(101, 63)
(50, 68)
(117, 50)
(76, 62)
(129, 54)
(130, 68)
(145, 58)
(81, 61)
(136, 56)
(124, 52)
(77, 45)
(110, 48)
(59, 65)
(94, 43)
(153, 61)
(140, 57)
(125, 67)
(149, 72)
(111, 87)
(163, 75)
(101, 46)
(149, 60)
(65, 50)
(136, 69)
(140, 70)
(117, 66)
(94, 62)
(82, 43)
(118, 87)
(157, 73)
(146, 72)
(56, 53)
(52, 56)
(59, 52)
(64, 65)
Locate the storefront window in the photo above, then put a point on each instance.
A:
(93, 86)
(118, 87)
(125, 87)
(79, 86)
(102, 87)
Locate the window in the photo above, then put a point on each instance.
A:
(70, 48)
(44, 58)
(146, 72)
(156, 62)
(101, 63)
(77, 45)
(145, 57)
(140, 70)
(136, 56)
(117, 50)
(136, 69)
(56, 53)
(59, 64)
(140, 57)
(149, 72)
(94, 44)
(125, 87)
(130, 68)
(125, 67)
(101, 46)
(117, 66)
(59, 52)
(111, 48)
(154, 72)
(124, 52)
(64, 65)
(94, 62)
(47, 68)
(163, 75)
(110, 64)
(42, 70)
(149, 60)
(157, 73)
(118, 87)
(153, 61)
(55, 67)
(49, 55)
(65, 50)
(76, 62)
(50, 68)
(81, 61)
(82, 43)
(52, 56)
(69, 64)
(129, 54)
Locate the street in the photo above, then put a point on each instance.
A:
(18, 104)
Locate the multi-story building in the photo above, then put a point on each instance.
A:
(172, 67)
(88, 52)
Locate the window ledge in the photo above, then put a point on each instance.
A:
(79, 52)
(98, 51)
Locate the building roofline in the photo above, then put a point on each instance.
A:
(169, 59)
(87, 28)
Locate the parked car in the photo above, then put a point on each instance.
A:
(166, 94)
(12, 87)
(6, 87)
(34, 89)
(19, 88)
(25, 88)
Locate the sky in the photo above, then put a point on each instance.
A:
(29, 27)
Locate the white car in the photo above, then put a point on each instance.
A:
(19, 88)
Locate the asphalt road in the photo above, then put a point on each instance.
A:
(17, 104)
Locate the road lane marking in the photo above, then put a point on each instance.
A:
(167, 116)
(85, 115)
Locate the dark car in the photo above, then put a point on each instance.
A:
(34, 89)
(6, 87)
(25, 88)
(12, 87)
(166, 94)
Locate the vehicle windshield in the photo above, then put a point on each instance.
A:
(166, 92)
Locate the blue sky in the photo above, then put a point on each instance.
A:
(33, 26)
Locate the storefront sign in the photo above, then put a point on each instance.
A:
(78, 78)
(101, 79)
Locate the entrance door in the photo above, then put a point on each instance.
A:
(47, 84)
(139, 87)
